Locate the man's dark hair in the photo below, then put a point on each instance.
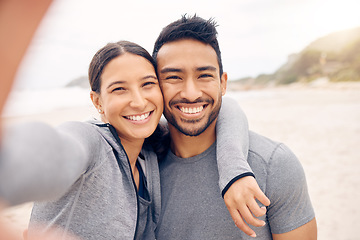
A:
(188, 27)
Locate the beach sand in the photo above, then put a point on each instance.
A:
(321, 124)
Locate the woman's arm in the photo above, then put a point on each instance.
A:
(232, 136)
(236, 179)
(39, 162)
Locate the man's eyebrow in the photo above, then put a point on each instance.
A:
(211, 68)
(167, 70)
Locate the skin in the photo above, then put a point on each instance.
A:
(18, 22)
(130, 99)
(305, 232)
(190, 83)
(190, 79)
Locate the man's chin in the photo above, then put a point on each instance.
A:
(192, 131)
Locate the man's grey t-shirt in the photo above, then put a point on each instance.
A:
(192, 207)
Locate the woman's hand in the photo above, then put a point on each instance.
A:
(240, 199)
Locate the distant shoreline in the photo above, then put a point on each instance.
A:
(233, 86)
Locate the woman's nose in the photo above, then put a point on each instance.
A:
(138, 100)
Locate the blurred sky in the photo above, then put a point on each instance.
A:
(255, 36)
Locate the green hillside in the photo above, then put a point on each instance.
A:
(335, 56)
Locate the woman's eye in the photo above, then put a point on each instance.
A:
(148, 84)
(118, 89)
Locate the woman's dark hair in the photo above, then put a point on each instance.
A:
(190, 28)
(108, 53)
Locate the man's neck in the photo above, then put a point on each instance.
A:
(185, 146)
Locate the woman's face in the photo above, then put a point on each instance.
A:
(130, 98)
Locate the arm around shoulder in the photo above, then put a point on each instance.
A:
(232, 146)
(236, 179)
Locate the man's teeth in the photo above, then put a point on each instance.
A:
(191, 110)
(139, 117)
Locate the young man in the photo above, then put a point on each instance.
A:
(193, 83)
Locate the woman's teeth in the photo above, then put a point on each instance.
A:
(138, 117)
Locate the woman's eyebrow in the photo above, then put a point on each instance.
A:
(149, 76)
(122, 82)
(113, 83)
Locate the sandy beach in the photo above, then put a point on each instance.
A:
(320, 123)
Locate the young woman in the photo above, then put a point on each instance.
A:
(104, 179)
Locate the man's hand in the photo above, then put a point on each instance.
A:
(240, 199)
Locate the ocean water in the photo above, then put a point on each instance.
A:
(29, 102)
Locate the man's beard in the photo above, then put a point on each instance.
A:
(197, 131)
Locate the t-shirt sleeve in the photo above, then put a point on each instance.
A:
(39, 162)
(232, 144)
(286, 188)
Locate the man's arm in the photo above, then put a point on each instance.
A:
(305, 232)
(236, 179)
(290, 215)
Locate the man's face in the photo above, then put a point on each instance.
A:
(191, 84)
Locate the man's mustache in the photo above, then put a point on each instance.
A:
(186, 101)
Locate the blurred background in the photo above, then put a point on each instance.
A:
(262, 42)
(294, 67)
(256, 36)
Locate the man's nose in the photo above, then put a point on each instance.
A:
(190, 90)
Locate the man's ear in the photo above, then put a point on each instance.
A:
(96, 100)
(223, 83)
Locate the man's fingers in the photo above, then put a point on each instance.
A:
(239, 222)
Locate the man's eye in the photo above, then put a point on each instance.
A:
(205, 75)
(172, 77)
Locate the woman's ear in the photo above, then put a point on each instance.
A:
(96, 100)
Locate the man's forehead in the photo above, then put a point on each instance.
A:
(186, 51)
(183, 44)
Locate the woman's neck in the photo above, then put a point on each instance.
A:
(132, 149)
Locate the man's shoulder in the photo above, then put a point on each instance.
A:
(267, 149)
(262, 146)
